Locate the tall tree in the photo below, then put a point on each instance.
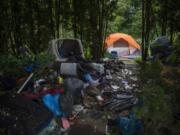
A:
(146, 26)
(143, 31)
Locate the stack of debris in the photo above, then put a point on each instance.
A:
(116, 89)
(73, 92)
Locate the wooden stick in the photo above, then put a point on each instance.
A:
(24, 84)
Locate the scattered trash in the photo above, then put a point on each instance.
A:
(99, 67)
(129, 125)
(117, 105)
(74, 86)
(99, 98)
(134, 78)
(114, 65)
(51, 127)
(127, 87)
(109, 77)
(115, 87)
(52, 103)
(119, 77)
(78, 108)
(108, 89)
(93, 91)
(124, 82)
(65, 123)
(90, 80)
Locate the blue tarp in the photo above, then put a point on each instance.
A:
(129, 125)
(51, 101)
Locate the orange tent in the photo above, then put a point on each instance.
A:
(112, 38)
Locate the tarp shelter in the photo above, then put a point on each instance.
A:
(121, 44)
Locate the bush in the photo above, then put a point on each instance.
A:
(12, 65)
(151, 72)
(156, 111)
(174, 57)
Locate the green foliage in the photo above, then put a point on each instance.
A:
(176, 92)
(11, 65)
(127, 18)
(174, 57)
(156, 110)
(34, 23)
(15, 66)
(45, 58)
(173, 89)
(138, 60)
(110, 134)
(151, 73)
(108, 55)
(155, 104)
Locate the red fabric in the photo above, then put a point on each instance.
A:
(52, 91)
(31, 95)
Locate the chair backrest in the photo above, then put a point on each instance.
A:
(64, 48)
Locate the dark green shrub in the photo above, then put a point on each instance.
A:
(156, 110)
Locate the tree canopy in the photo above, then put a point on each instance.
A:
(33, 23)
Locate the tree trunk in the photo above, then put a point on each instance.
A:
(75, 18)
(58, 17)
(164, 17)
(51, 14)
(143, 30)
(148, 27)
(171, 34)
